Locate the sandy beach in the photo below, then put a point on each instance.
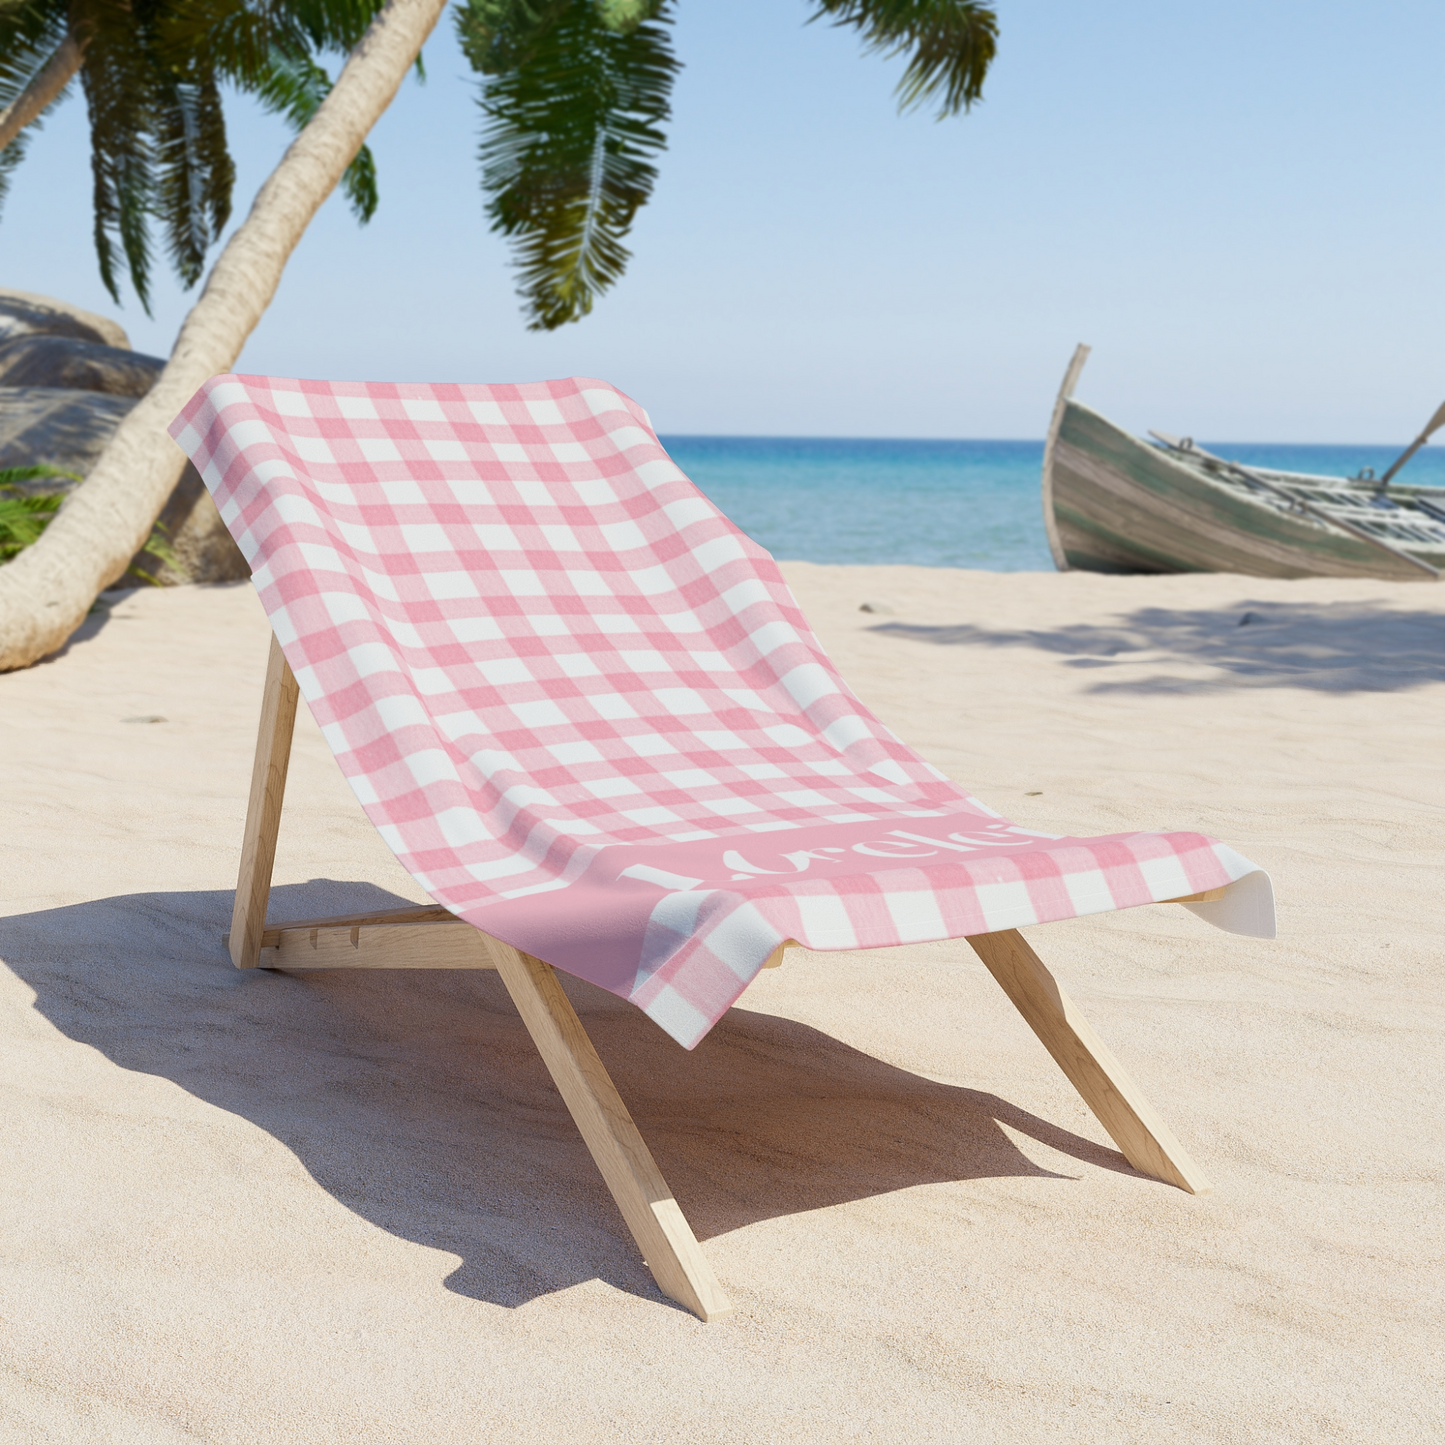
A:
(350, 1207)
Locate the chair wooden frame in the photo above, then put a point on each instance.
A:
(427, 936)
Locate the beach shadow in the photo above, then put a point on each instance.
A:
(96, 619)
(1321, 647)
(417, 1099)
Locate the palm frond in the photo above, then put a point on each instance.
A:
(156, 546)
(118, 77)
(10, 477)
(499, 36)
(267, 49)
(30, 32)
(625, 15)
(236, 38)
(10, 157)
(292, 84)
(194, 170)
(22, 520)
(332, 24)
(566, 153)
(24, 515)
(950, 45)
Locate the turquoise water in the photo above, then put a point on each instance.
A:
(933, 503)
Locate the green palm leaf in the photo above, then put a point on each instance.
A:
(29, 35)
(22, 520)
(292, 84)
(118, 77)
(268, 50)
(194, 170)
(499, 36)
(573, 107)
(25, 515)
(950, 44)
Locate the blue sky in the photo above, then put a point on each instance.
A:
(1237, 204)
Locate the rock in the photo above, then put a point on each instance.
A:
(57, 426)
(67, 377)
(66, 361)
(69, 429)
(23, 313)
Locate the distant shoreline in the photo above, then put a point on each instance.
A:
(1223, 448)
(970, 504)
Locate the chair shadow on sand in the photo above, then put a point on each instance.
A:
(1334, 647)
(417, 1100)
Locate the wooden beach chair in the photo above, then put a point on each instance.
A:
(587, 715)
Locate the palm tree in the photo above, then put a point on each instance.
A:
(151, 74)
(575, 92)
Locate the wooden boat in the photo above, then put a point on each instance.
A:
(1115, 503)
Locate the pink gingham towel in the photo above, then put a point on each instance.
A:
(586, 713)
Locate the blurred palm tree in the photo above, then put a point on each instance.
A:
(574, 94)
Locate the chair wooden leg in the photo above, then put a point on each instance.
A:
(1142, 1136)
(263, 812)
(667, 1242)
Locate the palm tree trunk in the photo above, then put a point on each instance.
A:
(45, 85)
(47, 590)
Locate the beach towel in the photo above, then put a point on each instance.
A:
(586, 713)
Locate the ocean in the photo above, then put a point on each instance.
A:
(968, 504)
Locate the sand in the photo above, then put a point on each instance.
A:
(350, 1207)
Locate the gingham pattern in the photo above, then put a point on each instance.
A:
(585, 711)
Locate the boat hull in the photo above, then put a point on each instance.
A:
(1120, 505)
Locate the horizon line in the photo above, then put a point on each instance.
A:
(1009, 441)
